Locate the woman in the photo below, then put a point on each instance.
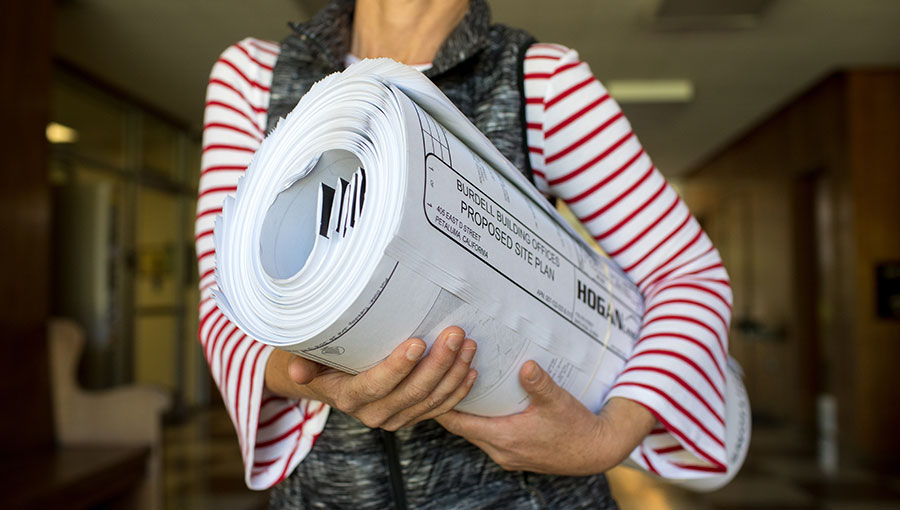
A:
(545, 111)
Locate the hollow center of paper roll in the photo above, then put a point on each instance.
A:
(289, 228)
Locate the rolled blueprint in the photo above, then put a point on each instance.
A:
(376, 212)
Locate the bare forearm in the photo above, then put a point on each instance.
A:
(279, 380)
(556, 434)
(623, 425)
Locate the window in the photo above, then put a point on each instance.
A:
(124, 181)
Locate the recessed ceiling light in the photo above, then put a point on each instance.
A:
(57, 133)
(651, 91)
(689, 15)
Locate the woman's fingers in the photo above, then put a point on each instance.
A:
(405, 388)
(379, 381)
(417, 386)
(427, 376)
(301, 370)
(449, 391)
(455, 398)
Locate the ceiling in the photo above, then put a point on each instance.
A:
(744, 61)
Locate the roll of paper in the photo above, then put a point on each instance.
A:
(375, 212)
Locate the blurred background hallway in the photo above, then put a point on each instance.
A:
(777, 120)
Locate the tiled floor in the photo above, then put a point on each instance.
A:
(203, 470)
(202, 466)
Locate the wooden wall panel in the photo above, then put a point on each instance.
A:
(748, 195)
(873, 110)
(25, 67)
(825, 170)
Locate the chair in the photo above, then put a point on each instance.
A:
(125, 415)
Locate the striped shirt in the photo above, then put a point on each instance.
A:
(582, 150)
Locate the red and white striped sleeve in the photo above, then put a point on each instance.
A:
(583, 150)
(275, 433)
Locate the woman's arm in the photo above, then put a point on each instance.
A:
(556, 434)
(592, 159)
(583, 150)
(274, 433)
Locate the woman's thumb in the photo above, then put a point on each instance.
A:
(538, 383)
(302, 370)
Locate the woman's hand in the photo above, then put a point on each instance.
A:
(398, 392)
(556, 434)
